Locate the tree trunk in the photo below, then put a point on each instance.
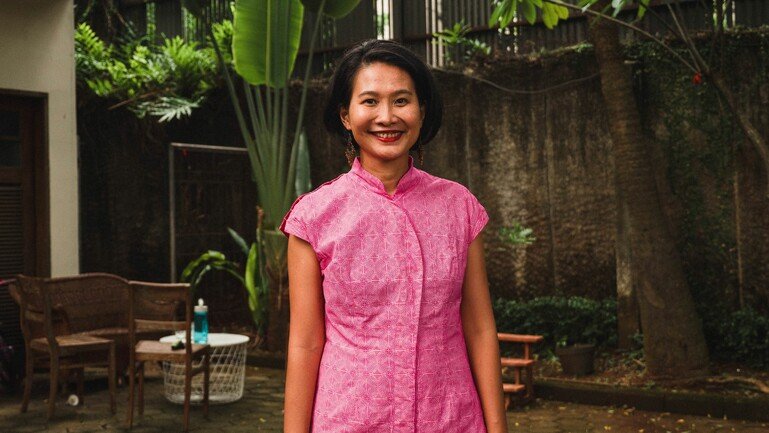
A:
(674, 344)
(278, 314)
(276, 270)
(628, 316)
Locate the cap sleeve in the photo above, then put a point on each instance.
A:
(295, 221)
(478, 216)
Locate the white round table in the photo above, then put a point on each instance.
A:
(228, 371)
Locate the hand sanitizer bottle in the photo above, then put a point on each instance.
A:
(201, 323)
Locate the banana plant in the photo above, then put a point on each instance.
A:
(265, 43)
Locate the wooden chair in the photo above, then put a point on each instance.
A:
(155, 307)
(47, 344)
(519, 365)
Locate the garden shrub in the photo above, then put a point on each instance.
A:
(741, 336)
(560, 320)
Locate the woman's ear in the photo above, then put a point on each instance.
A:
(344, 115)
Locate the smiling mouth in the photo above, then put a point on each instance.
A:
(388, 136)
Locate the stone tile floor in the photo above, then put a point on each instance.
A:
(262, 404)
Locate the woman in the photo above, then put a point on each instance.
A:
(391, 322)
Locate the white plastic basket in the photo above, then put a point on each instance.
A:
(228, 371)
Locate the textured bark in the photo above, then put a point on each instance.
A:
(276, 270)
(628, 316)
(674, 344)
(277, 323)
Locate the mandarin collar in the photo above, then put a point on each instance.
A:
(406, 182)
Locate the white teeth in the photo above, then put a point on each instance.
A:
(387, 134)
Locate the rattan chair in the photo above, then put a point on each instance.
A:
(155, 307)
(47, 344)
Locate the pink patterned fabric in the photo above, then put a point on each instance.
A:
(395, 358)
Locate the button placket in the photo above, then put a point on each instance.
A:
(415, 269)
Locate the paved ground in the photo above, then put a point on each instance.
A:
(261, 407)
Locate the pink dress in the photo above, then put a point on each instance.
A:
(395, 358)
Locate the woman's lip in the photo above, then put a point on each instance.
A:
(398, 135)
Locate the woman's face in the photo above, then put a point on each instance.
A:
(384, 114)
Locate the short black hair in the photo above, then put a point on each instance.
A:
(394, 54)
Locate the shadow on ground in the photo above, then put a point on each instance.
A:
(262, 404)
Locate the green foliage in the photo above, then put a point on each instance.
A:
(456, 36)
(265, 51)
(553, 11)
(505, 11)
(166, 81)
(210, 260)
(560, 319)
(252, 278)
(517, 234)
(265, 38)
(332, 8)
(698, 133)
(223, 36)
(742, 336)
(618, 5)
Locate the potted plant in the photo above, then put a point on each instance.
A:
(578, 335)
(576, 358)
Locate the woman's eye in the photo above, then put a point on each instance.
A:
(401, 101)
(369, 102)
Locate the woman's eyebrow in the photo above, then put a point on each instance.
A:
(397, 92)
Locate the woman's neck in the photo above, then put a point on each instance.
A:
(389, 172)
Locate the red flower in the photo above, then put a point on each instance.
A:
(697, 79)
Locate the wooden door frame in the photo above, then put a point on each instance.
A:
(38, 254)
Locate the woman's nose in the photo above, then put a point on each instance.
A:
(386, 114)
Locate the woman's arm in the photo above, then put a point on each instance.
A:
(307, 335)
(481, 338)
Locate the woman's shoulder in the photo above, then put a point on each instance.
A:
(309, 208)
(324, 191)
(325, 196)
(440, 185)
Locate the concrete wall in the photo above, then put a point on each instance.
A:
(37, 55)
(540, 155)
(542, 159)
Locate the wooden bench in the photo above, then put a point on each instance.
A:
(521, 385)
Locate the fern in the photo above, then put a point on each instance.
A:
(167, 81)
(166, 108)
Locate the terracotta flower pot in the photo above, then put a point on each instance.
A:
(576, 360)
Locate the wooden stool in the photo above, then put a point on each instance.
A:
(523, 385)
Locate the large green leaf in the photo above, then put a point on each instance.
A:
(529, 11)
(250, 280)
(238, 240)
(642, 6)
(332, 8)
(265, 40)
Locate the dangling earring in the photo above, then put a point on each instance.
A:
(420, 153)
(349, 152)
